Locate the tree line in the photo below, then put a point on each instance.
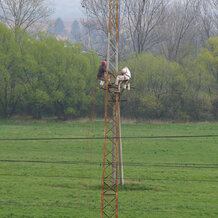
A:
(170, 47)
(172, 28)
(40, 76)
(168, 90)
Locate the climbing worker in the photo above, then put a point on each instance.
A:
(102, 74)
(102, 70)
(124, 78)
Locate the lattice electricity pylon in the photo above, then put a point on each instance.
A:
(109, 194)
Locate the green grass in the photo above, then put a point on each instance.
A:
(60, 190)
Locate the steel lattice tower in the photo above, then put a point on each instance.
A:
(109, 194)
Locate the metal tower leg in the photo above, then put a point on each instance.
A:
(114, 145)
(120, 151)
(109, 193)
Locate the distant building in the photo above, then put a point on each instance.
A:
(61, 38)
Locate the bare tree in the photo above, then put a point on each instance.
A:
(215, 4)
(97, 12)
(175, 28)
(181, 28)
(23, 13)
(206, 20)
(209, 18)
(139, 22)
(144, 19)
(96, 25)
(215, 13)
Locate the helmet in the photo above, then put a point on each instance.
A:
(104, 63)
(124, 70)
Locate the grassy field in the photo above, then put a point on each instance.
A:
(175, 177)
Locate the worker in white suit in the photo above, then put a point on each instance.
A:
(125, 77)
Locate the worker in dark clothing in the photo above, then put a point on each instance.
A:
(102, 70)
(102, 73)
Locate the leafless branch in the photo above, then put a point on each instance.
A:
(24, 13)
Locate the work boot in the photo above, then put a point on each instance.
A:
(113, 85)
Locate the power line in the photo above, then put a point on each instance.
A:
(99, 178)
(168, 165)
(101, 138)
(123, 209)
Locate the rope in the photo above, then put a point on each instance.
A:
(91, 145)
(90, 135)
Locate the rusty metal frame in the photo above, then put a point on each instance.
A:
(109, 192)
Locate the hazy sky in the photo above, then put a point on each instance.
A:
(68, 9)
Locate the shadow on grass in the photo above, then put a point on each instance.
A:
(137, 187)
(133, 186)
(128, 187)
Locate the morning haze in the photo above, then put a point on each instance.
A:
(68, 9)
